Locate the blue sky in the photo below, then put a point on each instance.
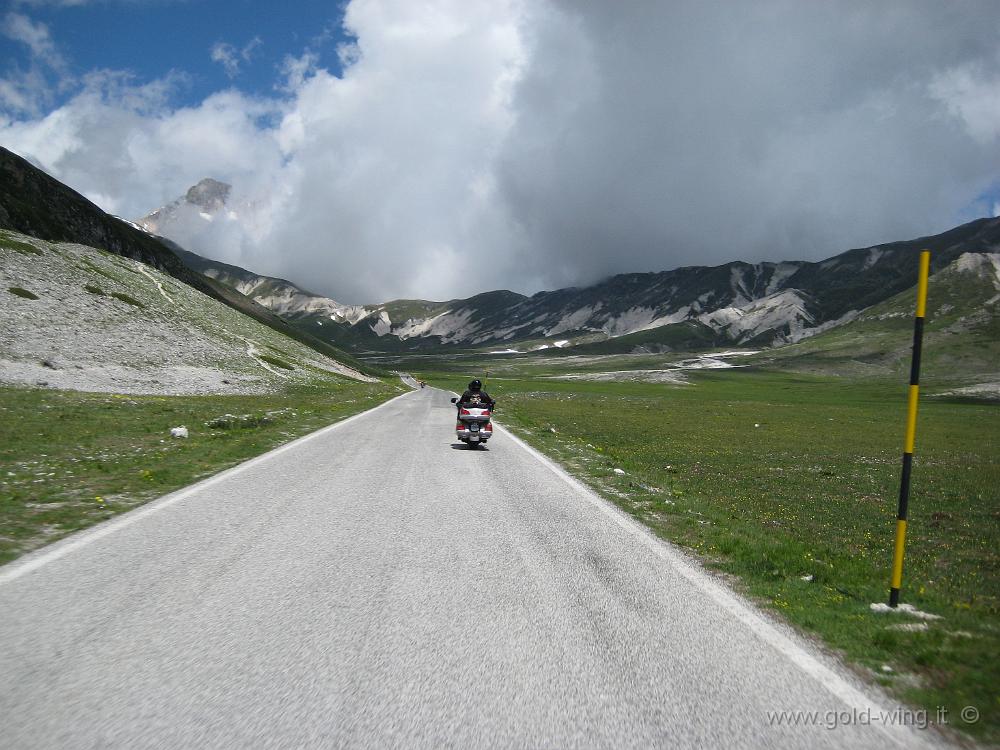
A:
(151, 39)
(561, 140)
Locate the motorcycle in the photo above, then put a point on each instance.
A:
(473, 426)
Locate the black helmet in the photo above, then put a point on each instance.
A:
(476, 385)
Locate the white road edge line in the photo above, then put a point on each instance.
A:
(35, 560)
(767, 631)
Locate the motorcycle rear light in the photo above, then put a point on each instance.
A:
(459, 426)
(464, 411)
(489, 427)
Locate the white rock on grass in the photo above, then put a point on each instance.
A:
(905, 609)
(910, 627)
(179, 432)
(619, 471)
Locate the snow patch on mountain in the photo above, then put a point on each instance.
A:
(714, 361)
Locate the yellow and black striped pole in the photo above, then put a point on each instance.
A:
(911, 429)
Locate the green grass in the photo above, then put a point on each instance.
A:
(69, 459)
(128, 300)
(94, 289)
(18, 246)
(769, 478)
(18, 291)
(94, 268)
(276, 361)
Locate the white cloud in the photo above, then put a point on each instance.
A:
(972, 94)
(554, 141)
(122, 141)
(20, 28)
(297, 69)
(32, 89)
(231, 58)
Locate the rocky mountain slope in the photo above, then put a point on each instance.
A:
(35, 204)
(80, 318)
(281, 296)
(962, 332)
(741, 304)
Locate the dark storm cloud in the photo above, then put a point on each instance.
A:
(651, 135)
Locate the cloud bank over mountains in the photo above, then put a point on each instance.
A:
(557, 140)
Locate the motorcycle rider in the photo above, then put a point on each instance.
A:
(475, 396)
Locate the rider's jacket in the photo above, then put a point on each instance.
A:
(475, 397)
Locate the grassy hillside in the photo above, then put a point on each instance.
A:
(962, 332)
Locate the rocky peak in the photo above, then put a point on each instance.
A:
(209, 194)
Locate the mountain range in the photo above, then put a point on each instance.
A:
(833, 310)
(695, 307)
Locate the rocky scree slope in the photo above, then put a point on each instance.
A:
(80, 318)
(36, 204)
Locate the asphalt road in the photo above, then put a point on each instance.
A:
(373, 585)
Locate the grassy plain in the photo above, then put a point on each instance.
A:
(70, 459)
(787, 485)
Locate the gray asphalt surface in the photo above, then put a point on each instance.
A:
(376, 586)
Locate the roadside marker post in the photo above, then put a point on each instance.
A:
(911, 430)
